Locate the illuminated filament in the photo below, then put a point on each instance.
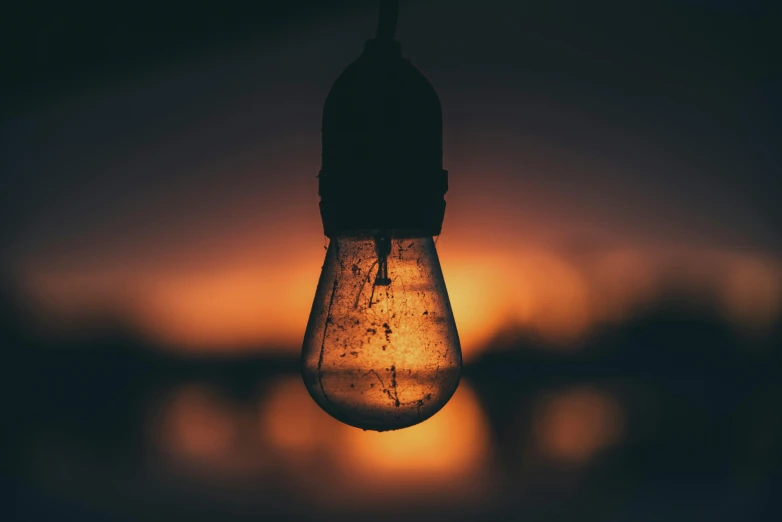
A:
(383, 249)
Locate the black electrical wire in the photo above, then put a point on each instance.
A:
(386, 23)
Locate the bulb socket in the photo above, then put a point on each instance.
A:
(382, 165)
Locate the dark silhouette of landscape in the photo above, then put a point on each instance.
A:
(700, 438)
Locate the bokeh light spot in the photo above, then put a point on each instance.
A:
(571, 426)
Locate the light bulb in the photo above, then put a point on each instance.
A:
(381, 350)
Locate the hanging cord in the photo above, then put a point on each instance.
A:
(386, 23)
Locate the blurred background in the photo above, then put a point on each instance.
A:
(611, 247)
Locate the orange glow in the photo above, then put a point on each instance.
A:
(534, 289)
(290, 440)
(250, 296)
(230, 307)
(622, 280)
(197, 427)
(381, 357)
(573, 425)
(478, 297)
(291, 422)
(443, 454)
(224, 254)
(453, 443)
(554, 297)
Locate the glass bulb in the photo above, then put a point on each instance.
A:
(381, 351)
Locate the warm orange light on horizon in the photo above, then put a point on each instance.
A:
(234, 308)
(248, 300)
(533, 289)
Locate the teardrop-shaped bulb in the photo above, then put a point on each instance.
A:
(381, 351)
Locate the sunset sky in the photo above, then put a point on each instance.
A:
(585, 177)
(612, 248)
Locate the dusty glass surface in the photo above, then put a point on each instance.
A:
(381, 351)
